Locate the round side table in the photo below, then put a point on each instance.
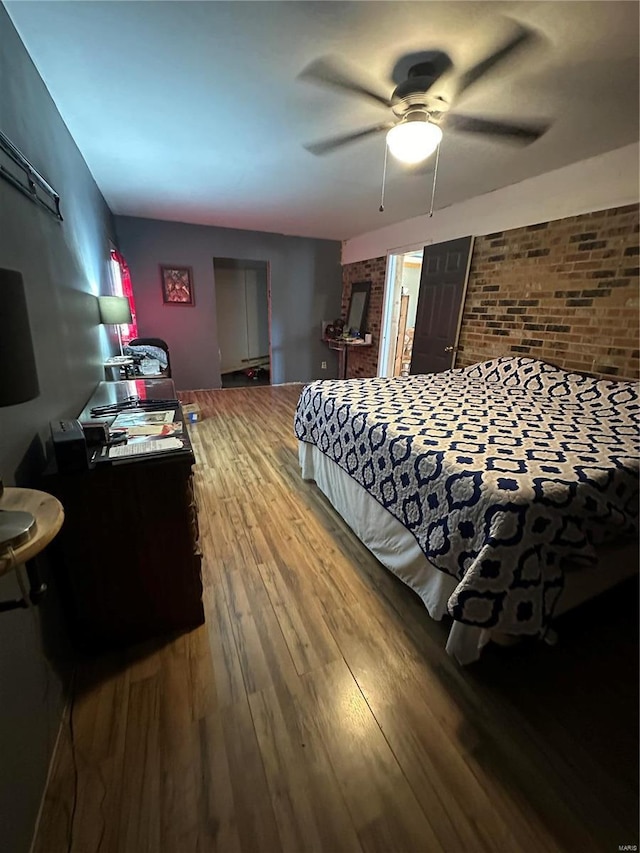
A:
(49, 515)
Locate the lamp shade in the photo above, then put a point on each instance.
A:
(18, 375)
(114, 310)
(413, 141)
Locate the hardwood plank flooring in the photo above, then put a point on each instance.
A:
(316, 710)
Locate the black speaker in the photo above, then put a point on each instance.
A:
(69, 446)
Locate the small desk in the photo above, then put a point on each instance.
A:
(342, 346)
(48, 514)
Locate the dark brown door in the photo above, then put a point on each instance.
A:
(442, 287)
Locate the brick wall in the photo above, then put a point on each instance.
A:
(364, 362)
(565, 292)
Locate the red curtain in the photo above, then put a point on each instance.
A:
(130, 331)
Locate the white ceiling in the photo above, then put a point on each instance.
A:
(191, 111)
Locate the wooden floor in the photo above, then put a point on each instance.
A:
(317, 710)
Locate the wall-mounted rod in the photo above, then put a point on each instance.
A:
(34, 179)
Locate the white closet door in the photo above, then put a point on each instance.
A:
(231, 309)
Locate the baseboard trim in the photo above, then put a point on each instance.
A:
(52, 760)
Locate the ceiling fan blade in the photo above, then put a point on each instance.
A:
(521, 134)
(334, 72)
(523, 37)
(325, 146)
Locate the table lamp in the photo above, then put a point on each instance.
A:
(115, 311)
(18, 383)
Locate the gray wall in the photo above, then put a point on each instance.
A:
(64, 266)
(306, 288)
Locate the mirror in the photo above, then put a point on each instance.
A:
(358, 304)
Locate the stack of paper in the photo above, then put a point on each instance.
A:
(146, 432)
(121, 451)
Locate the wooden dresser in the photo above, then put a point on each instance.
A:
(127, 559)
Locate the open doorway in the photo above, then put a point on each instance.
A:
(399, 313)
(242, 308)
(422, 314)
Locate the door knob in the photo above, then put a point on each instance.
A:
(451, 349)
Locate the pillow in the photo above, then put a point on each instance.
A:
(609, 396)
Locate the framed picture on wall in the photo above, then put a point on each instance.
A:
(177, 285)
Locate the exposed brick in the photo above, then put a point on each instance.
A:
(364, 362)
(603, 254)
(580, 238)
(581, 266)
(587, 247)
(580, 297)
(541, 226)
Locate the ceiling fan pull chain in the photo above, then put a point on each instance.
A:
(435, 175)
(384, 177)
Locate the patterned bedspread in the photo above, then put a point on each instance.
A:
(499, 470)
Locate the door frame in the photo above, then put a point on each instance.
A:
(389, 293)
(385, 356)
(245, 263)
(387, 314)
(463, 299)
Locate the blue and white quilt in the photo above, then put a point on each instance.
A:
(499, 470)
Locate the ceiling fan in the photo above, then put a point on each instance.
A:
(415, 129)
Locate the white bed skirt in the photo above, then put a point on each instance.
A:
(398, 551)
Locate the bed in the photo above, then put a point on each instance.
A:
(490, 490)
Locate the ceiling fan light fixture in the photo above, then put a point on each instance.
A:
(413, 140)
